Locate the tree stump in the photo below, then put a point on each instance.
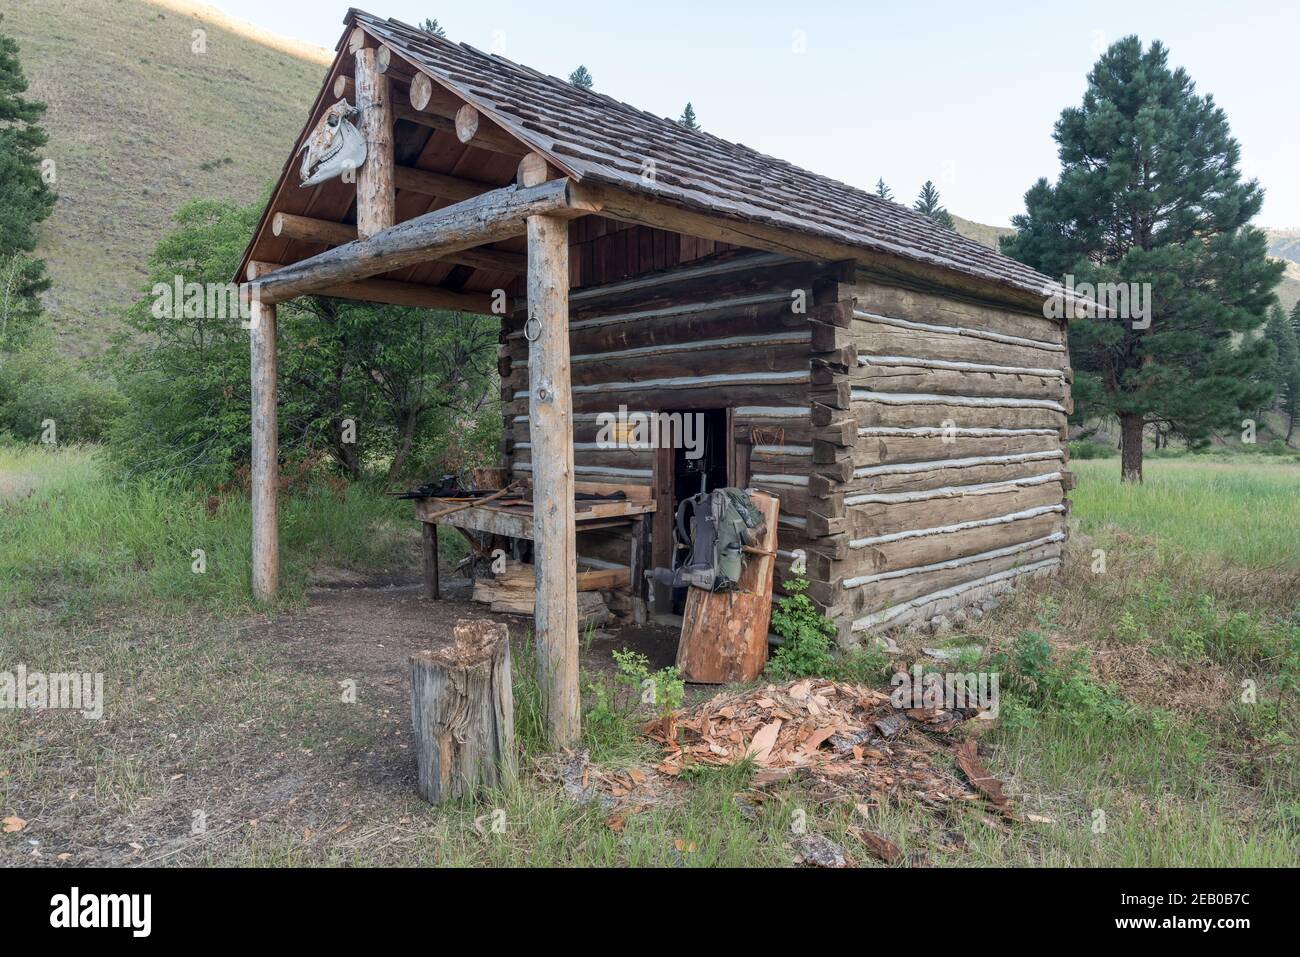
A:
(462, 709)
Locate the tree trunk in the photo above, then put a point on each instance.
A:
(1130, 445)
(462, 710)
(406, 436)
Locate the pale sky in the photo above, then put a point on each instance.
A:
(964, 94)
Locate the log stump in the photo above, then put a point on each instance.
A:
(462, 709)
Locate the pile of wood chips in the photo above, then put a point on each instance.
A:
(848, 739)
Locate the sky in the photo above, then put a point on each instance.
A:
(964, 94)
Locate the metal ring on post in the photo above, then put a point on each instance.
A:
(528, 323)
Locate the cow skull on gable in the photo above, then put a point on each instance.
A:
(334, 147)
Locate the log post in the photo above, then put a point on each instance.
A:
(375, 189)
(265, 452)
(429, 555)
(550, 412)
(462, 710)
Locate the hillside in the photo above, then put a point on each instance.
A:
(139, 124)
(1282, 244)
(988, 235)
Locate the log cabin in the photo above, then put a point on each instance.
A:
(897, 385)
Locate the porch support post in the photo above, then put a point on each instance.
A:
(375, 190)
(550, 414)
(265, 452)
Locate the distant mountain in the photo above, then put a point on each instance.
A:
(141, 119)
(1282, 244)
(988, 235)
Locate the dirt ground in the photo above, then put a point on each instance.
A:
(368, 630)
(299, 780)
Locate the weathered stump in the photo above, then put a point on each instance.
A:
(462, 710)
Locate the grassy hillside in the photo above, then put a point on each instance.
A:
(139, 124)
(1282, 244)
(981, 233)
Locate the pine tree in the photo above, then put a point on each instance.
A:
(1149, 192)
(1295, 317)
(928, 203)
(582, 77)
(1286, 365)
(883, 191)
(25, 199)
(432, 26)
(688, 118)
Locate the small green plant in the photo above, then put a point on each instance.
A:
(1059, 684)
(664, 689)
(805, 632)
(616, 697)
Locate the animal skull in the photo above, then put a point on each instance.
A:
(334, 146)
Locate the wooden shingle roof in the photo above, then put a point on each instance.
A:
(594, 137)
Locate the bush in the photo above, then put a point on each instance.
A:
(806, 646)
(1092, 450)
(39, 385)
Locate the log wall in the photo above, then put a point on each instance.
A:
(916, 441)
(718, 333)
(941, 454)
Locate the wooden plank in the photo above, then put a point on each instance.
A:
(724, 634)
(329, 233)
(946, 311)
(265, 465)
(551, 428)
(738, 230)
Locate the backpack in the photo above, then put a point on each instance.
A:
(714, 527)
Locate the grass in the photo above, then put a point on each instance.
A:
(81, 540)
(1246, 513)
(1121, 706)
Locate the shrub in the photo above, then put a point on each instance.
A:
(37, 384)
(1091, 450)
(806, 634)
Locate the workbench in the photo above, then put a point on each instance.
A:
(515, 520)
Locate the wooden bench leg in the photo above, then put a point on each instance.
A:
(640, 557)
(430, 550)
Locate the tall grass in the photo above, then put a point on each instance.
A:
(81, 539)
(1244, 513)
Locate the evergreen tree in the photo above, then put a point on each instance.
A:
(1149, 192)
(1286, 365)
(582, 77)
(25, 199)
(883, 191)
(1295, 317)
(688, 118)
(432, 26)
(928, 203)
